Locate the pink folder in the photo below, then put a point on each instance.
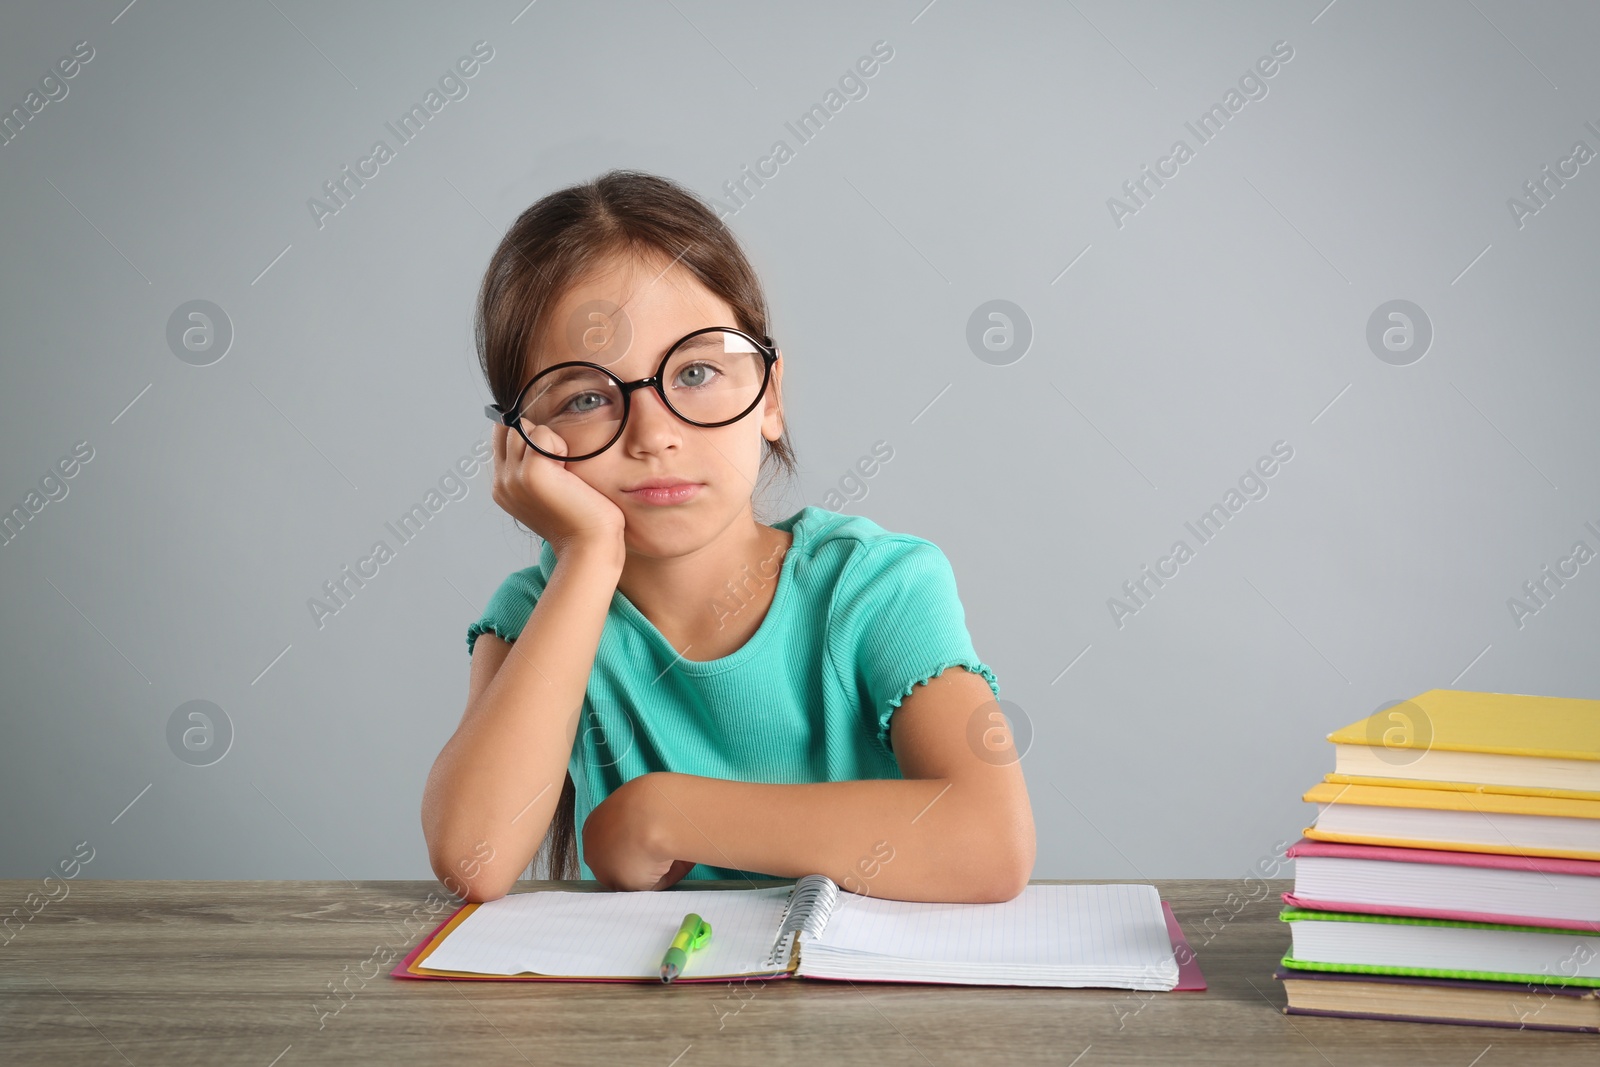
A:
(1189, 976)
(1542, 864)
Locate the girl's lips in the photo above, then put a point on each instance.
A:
(675, 494)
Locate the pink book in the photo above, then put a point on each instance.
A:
(1530, 864)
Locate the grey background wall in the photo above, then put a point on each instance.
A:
(1156, 351)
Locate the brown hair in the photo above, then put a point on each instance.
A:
(557, 242)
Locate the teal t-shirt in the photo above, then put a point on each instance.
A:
(860, 616)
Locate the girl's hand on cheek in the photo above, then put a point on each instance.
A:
(623, 840)
(546, 496)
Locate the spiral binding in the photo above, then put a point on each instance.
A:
(806, 912)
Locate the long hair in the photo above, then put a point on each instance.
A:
(559, 241)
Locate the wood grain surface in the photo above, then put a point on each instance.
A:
(169, 972)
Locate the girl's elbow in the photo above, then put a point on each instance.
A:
(1011, 866)
(483, 891)
(482, 887)
(473, 876)
(1007, 877)
(1020, 879)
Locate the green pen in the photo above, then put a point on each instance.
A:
(693, 933)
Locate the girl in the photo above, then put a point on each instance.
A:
(705, 695)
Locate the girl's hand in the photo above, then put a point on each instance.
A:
(545, 496)
(622, 842)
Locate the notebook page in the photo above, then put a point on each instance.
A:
(612, 934)
(1110, 926)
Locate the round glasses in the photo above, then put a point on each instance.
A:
(711, 377)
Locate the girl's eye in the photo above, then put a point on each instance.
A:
(697, 374)
(583, 403)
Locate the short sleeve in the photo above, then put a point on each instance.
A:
(509, 607)
(896, 622)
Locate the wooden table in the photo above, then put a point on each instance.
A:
(147, 973)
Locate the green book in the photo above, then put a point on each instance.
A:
(1440, 948)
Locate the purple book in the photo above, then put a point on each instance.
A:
(1518, 1005)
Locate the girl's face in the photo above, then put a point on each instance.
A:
(624, 317)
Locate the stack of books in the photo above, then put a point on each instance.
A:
(1452, 874)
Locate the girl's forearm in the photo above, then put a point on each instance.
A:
(933, 839)
(496, 783)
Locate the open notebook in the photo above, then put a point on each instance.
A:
(1120, 935)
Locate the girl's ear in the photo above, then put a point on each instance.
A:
(772, 419)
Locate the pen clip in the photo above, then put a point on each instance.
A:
(702, 934)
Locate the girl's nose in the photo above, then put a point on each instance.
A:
(651, 424)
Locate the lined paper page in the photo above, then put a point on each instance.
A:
(612, 934)
(1110, 926)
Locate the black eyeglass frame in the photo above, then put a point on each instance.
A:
(767, 350)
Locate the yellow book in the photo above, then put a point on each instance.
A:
(1456, 820)
(1546, 745)
(1465, 787)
